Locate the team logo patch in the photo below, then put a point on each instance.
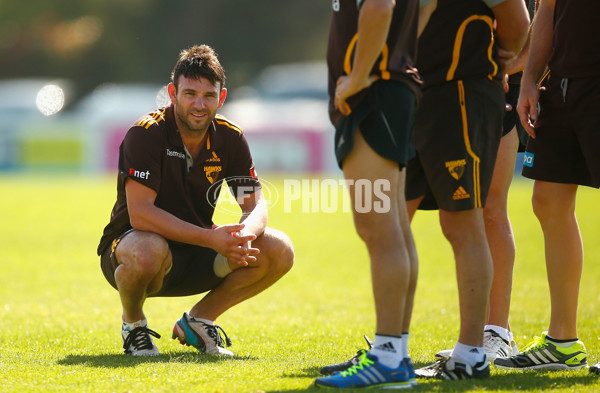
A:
(212, 172)
(460, 193)
(456, 168)
(528, 159)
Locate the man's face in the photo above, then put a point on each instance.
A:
(196, 102)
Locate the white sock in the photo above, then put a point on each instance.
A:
(205, 321)
(562, 343)
(404, 347)
(130, 326)
(502, 332)
(388, 350)
(468, 354)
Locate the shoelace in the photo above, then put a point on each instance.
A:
(363, 361)
(213, 332)
(139, 338)
(536, 343)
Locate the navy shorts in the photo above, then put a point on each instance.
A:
(385, 117)
(511, 117)
(567, 144)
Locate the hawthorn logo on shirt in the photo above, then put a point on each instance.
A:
(140, 174)
(456, 168)
(212, 172)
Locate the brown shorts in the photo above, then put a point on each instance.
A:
(567, 141)
(192, 271)
(457, 134)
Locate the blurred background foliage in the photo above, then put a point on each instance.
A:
(91, 42)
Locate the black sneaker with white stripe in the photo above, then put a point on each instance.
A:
(595, 369)
(450, 368)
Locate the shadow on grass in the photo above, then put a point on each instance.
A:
(119, 360)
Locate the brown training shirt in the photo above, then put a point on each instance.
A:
(457, 43)
(153, 154)
(576, 39)
(397, 59)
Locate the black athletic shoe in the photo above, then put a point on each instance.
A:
(450, 368)
(595, 369)
(328, 370)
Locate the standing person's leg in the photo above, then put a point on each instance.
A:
(383, 234)
(559, 348)
(554, 206)
(459, 164)
(498, 340)
(499, 231)
(465, 231)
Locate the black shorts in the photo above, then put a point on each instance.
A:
(511, 117)
(457, 134)
(567, 144)
(192, 271)
(386, 117)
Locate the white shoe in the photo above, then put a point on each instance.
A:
(495, 346)
(137, 341)
(205, 338)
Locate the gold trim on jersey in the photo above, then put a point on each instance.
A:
(476, 159)
(222, 120)
(151, 118)
(383, 64)
(458, 44)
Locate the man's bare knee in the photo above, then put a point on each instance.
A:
(278, 249)
(143, 255)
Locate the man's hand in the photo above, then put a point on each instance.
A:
(229, 241)
(347, 87)
(527, 108)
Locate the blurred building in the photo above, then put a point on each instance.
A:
(283, 114)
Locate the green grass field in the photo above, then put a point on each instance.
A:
(60, 320)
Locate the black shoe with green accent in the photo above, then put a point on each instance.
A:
(543, 354)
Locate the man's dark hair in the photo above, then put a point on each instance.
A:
(196, 62)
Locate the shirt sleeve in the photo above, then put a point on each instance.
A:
(140, 156)
(241, 174)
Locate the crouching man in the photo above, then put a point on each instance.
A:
(161, 240)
